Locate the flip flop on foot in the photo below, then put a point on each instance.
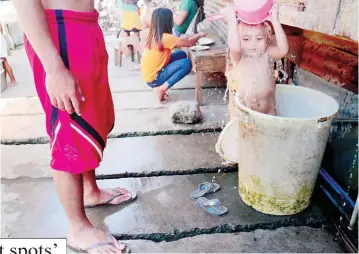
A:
(110, 246)
(117, 197)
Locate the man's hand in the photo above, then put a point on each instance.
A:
(64, 91)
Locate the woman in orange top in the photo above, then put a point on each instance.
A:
(161, 68)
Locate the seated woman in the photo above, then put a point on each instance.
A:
(187, 12)
(161, 69)
(130, 17)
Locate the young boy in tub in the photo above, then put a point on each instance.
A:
(252, 57)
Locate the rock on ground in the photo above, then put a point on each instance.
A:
(187, 112)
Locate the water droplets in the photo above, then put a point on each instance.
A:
(280, 69)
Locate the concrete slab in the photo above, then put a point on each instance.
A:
(25, 82)
(31, 128)
(175, 153)
(122, 101)
(127, 156)
(143, 100)
(282, 240)
(122, 79)
(163, 207)
(127, 78)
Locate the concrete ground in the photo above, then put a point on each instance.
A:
(162, 161)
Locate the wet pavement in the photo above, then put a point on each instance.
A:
(122, 101)
(162, 161)
(163, 206)
(173, 154)
(30, 128)
(283, 239)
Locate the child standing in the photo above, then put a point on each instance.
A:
(252, 54)
(3, 56)
(162, 69)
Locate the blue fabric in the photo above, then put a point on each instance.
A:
(175, 33)
(215, 209)
(202, 189)
(178, 67)
(127, 7)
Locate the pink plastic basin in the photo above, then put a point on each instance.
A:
(249, 11)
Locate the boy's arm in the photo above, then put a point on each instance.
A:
(62, 88)
(234, 42)
(281, 48)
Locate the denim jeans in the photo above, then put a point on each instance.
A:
(178, 67)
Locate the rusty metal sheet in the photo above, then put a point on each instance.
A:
(341, 43)
(330, 65)
(326, 75)
(328, 51)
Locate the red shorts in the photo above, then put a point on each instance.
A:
(77, 142)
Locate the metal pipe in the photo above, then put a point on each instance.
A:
(334, 202)
(336, 186)
(354, 217)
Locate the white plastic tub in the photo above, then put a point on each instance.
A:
(279, 156)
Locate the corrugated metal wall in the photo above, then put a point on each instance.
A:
(332, 58)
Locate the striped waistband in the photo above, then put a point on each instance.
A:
(65, 16)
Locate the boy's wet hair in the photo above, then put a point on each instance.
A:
(264, 25)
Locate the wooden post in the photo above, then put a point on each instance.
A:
(121, 53)
(115, 55)
(132, 53)
(199, 80)
(139, 57)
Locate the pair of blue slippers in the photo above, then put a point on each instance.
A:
(212, 206)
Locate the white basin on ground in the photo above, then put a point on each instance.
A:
(279, 156)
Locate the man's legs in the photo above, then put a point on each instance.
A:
(81, 232)
(77, 142)
(93, 195)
